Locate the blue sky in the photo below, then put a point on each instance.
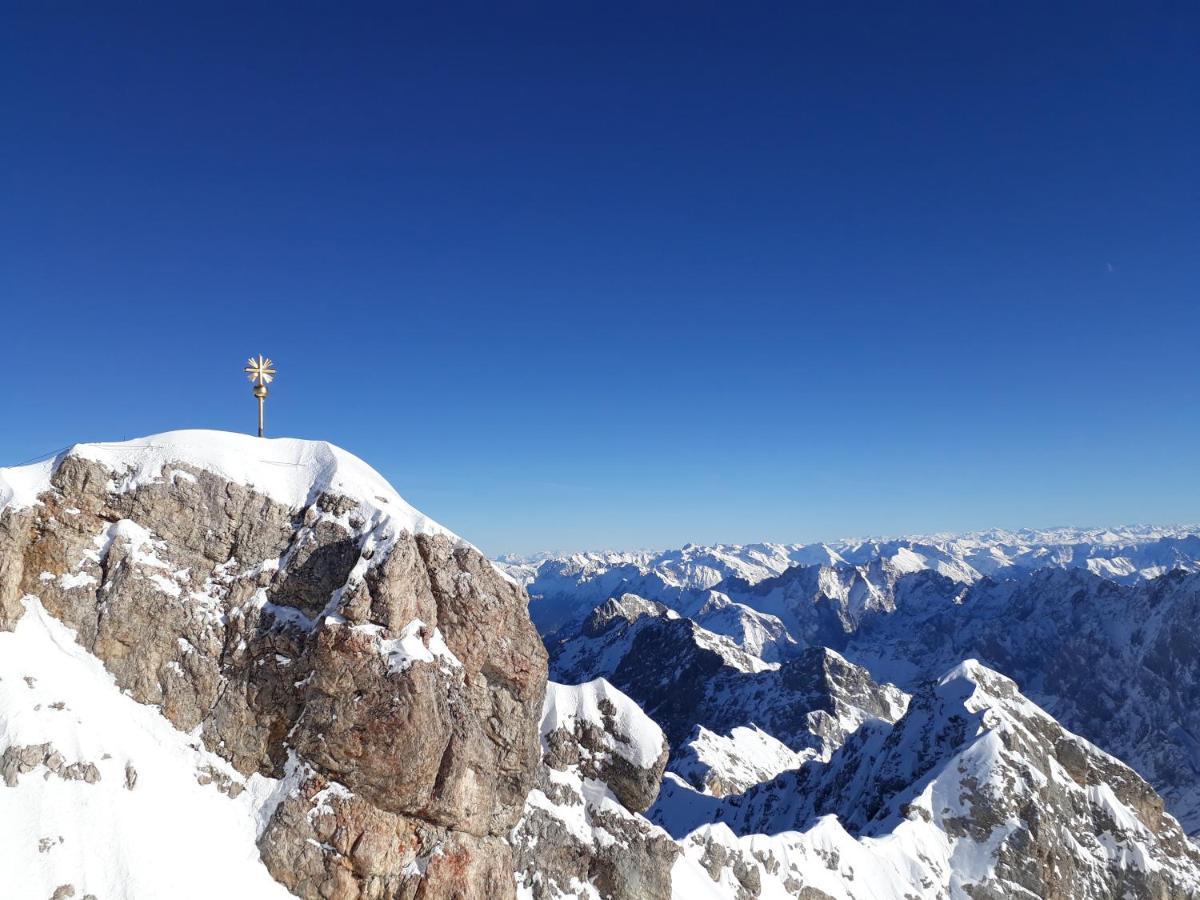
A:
(596, 275)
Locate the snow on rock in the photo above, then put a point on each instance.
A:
(20, 485)
(101, 792)
(290, 471)
(628, 731)
(284, 624)
(410, 646)
(581, 835)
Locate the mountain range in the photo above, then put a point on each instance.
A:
(1113, 657)
(565, 587)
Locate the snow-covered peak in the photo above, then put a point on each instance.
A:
(975, 673)
(720, 764)
(630, 733)
(290, 471)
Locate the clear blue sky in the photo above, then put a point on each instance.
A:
(598, 275)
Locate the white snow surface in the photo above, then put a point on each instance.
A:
(745, 757)
(401, 652)
(640, 739)
(290, 471)
(168, 836)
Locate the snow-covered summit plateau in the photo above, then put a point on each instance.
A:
(291, 471)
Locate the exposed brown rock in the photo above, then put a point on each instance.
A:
(264, 625)
(625, 856)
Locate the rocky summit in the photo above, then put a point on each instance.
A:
(244, 668)
(311, 686)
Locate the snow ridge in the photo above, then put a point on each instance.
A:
(290, 471)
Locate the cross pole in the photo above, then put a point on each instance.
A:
(261, 372)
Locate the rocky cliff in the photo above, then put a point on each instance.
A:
(582, 835)
(369, 678)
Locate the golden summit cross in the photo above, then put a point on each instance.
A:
(261, 372)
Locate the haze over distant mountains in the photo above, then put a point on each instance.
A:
(563, 585)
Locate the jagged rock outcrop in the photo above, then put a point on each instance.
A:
(280, 601)
(810, 702)
(581, 835)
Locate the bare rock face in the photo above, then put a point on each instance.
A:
(392, 678)
(602, 764)
(329, 842)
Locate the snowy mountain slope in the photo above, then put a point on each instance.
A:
(720, 764)
(563, 590)
(1118, 664)
(609, 635)
(1115, 662)
(581, 835)
(973, 792)
(758, 633)
(820, 605)
(92, 779)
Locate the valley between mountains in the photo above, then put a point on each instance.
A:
(234, 667)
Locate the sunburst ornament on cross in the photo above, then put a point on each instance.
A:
(261, 372)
